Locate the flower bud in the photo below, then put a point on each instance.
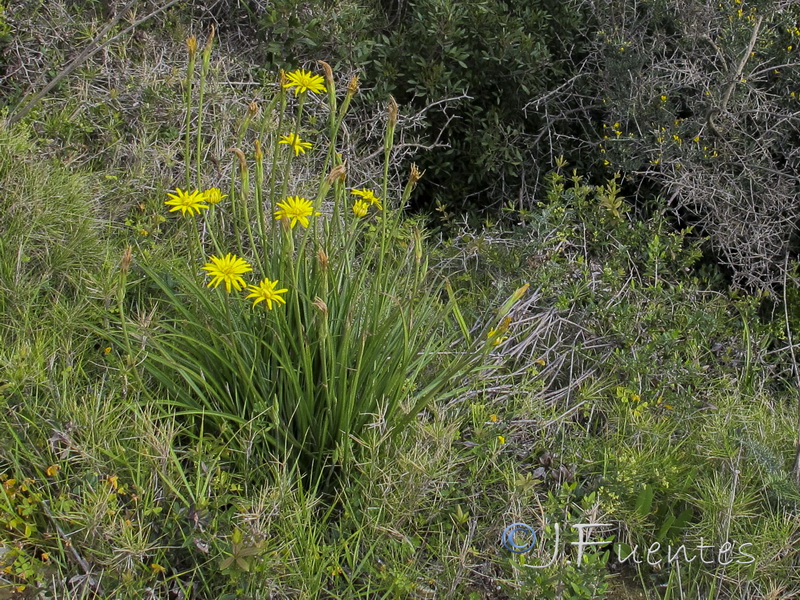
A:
(127, 257)
(393, 112)
(338, 173)
(328, 74)
(241, 157)
(209, 39)
(323, 259)
(321, 306)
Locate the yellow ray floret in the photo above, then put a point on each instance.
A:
(360, 208)
(266, 292)
(296, 209)
(304, 81)
(214, 196)
(228, 270)
(186, 202)
(368, 196)
(296, 143)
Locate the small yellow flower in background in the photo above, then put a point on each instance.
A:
(113, 481)
(493, 418)
(186, 202)
(214, 195)
(157, 568)
(228, 270)
(360, 208)
(266, 292)
(501, 439)
(368, 196)
(296, 209)
(296, 142)
(663, 98)
(52, 470)
(540, 362)
(107, 350)
(304, 81)
(495, 336)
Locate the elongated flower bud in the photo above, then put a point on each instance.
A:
(393, 112)
(242, 159)
(338, 173)
(191, 44)
(252, 109)
(321, 306)
(127, 258)
(258, 154)
(328, 74)
(322, 256)
(209, 39)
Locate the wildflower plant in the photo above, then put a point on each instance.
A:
(322, 330)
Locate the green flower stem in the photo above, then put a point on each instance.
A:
(262, 232)
(287, 168)
(187, 153)
(274, 168)
(245, 195)
(387, 153)
(235, 216)
(206, 64)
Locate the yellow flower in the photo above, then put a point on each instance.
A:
(107, 350)
(297, 144)
(493, 418)
(663, 98)
(368, 196)
(304, 81)
(157, 568)
(360, 208)
(266, 292)
(52, 470)
(496, 337)
(186, 202)
(296, 209)
(214, 196)
(501, 439)
(228, 270)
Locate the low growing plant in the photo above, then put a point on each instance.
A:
(342, 328)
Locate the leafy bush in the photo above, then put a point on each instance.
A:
(476, 64)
